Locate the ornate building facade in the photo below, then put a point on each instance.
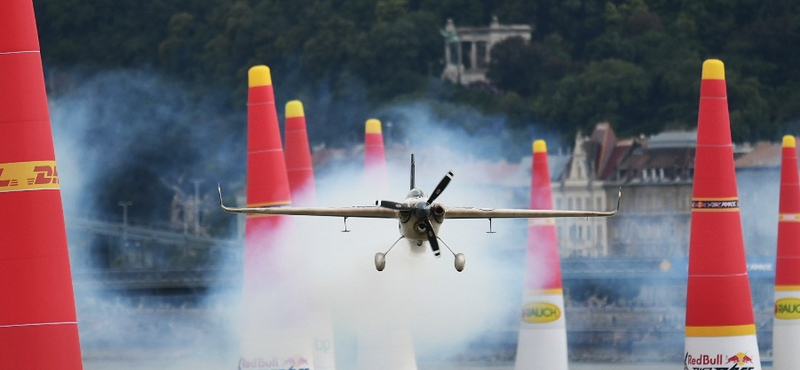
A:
(578, 189)
(467, 50)
(655, 175)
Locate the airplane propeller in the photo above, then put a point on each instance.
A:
(422, 211)
(440, 187)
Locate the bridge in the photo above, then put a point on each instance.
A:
(117, 256)
(120, 256)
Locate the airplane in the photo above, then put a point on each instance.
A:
(419, 218)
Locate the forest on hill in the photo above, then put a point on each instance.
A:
(152, 72)
(634, 63)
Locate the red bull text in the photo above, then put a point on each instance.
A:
(738, 361)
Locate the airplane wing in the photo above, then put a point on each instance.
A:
(470, 212)
(355, 211)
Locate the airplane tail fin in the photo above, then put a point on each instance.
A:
(413, 169)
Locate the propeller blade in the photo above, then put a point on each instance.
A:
(394, 205)
(440, 188)
(413, 169)
(432, 238)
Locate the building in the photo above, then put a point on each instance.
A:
(578, 188)
(468, 50)
(655, 174)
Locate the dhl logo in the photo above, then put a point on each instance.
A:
(789, 217)
(34, 175)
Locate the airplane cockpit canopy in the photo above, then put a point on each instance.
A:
(416, 193)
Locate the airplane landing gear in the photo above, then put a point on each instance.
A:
(380, 261)
(380, 258)
(460, 261)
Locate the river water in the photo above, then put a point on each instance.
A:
(116, 364)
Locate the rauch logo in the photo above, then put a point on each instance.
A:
(787, 308)
(540, 312)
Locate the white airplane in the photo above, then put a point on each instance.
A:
(418, 216)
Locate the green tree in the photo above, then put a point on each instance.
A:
(176, 51)
(464, 13)
(391, 48)
(397, 56)
(328, 52)
(516, 65)
(610, 90)
(749, 111)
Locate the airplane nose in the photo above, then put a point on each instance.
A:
(422, 210)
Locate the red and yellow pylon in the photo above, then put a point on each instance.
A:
(720, 325)
(300, 171)
(267, 181)
(38, 322)
(299, 168)
(786, 323)
(543, 334)
(377, 175)
(272, 337)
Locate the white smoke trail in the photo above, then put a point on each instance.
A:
(110, 118)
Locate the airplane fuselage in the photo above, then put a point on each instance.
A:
(411, 223)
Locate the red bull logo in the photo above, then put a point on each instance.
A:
(787, 309)
(703, 360)
(540, 312)
(257, 363)
(739, 361)
(260, 363)
(297, 363)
